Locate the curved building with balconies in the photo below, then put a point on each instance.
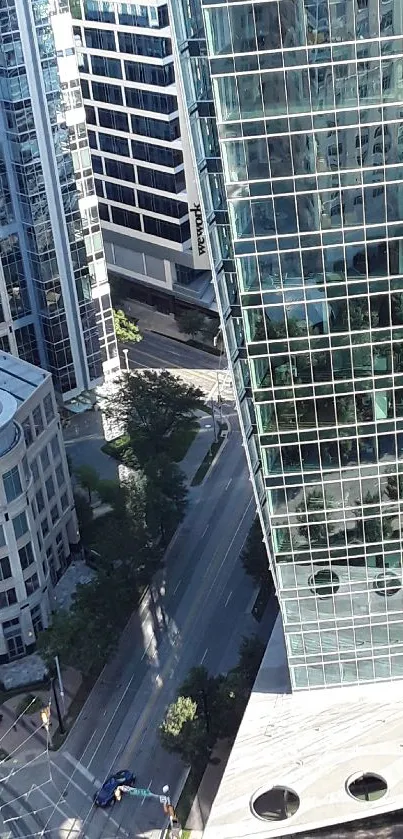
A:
(37, 518)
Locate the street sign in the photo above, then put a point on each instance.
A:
(141, 793)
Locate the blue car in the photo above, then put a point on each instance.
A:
(106, 794)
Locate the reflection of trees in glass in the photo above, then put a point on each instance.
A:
(296, 328)
(364, 407)
(286, 415)
(276, 328)
(394, 487)
(396, 303)
(359, 317)
(345, 409)
(312, 526)
(370, 526)
(348, 451)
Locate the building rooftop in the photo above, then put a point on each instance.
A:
(19, 377)
(315, 745)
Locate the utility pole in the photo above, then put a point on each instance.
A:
(214, 422)
(169, 808)
(219, 400)
(61, 687)
(56, 698)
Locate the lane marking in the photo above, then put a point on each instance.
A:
(148, 787)
(79, 766)
(144, 717)
(56, 806)
(177, 586)
(228, 599)
(228, 484)
(70, 780)
(204, 656)
(205, 531)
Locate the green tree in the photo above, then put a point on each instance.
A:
(151, 406)
(84, 513)
(183, 732)
(166, 496)
(123, 539)
(126, 330)
(254, 557)
(190, 322)
(86, 636)
(88, 478)
(108, 491)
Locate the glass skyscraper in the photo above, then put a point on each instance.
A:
(55, 305)
(299, 149)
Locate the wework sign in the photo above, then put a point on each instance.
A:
(198, 220)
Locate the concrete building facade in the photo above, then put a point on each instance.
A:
(38, 525)
(144, 176)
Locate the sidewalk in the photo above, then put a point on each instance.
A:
(22, 738)
(199, 447)
(149, 320)
(208, 788)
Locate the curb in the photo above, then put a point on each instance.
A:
(144, 601)
(175, 798)
(219, 453)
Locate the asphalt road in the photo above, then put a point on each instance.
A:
(199, 618)
(197, 614)
(200, 368)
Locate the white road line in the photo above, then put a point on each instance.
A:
(79, 766)
(70, 780)
(177, 586)
(148, 787)
(204, 656)
(59, 809)
(228, 598)
(205, 531)
(228, 484)
(148, 647)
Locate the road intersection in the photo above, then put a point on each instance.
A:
(196, 613)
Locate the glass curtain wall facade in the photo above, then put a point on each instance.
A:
(51, 250)
(309, 278)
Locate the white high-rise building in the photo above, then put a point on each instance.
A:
(38, 526)
(144, 175)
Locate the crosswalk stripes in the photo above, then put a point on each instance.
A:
(79, 766)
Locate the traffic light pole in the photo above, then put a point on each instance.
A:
(56, 698)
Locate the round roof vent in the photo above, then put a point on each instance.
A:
(276, 804)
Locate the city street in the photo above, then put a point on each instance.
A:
(193, 365)
(197, 614)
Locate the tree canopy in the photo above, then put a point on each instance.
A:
(126, 330)
(210, 707)
(150, 406)
(190, 322)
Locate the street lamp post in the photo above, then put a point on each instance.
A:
(126, 355)
(214, 422)
(169, 807)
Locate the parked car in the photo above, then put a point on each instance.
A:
(106, 794)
